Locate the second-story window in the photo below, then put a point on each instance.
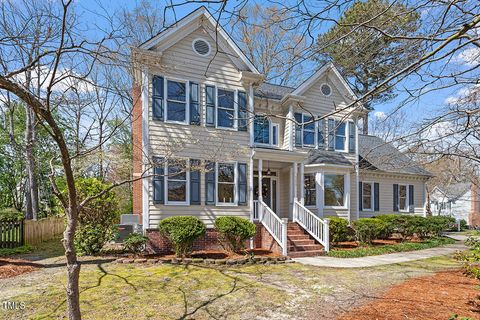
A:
(226, 108)
(340, 136)
(176, 101)
(265, 132)
(308, 131)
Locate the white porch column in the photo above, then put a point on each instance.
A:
(320, 193)
(260, 168)
(357, 173)
(250, 184)
(348, 193)
(302, 183)
(295, 181)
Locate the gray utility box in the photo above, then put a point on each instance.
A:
(129, 223)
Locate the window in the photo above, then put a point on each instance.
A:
(275, 134)
(367, 196)
(177, 182)
(176, 101)
(225, 108)
(403, 198)
(308, 131)
(265, 132)
(310, 190)
(334, 186)
(340, 136)
(226, 183)
(261, 129)
(326, 89)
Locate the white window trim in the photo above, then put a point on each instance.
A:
(372, 196)
(187, 100)
(276, 125)
(209, 47)
(235, 185)
(345, 186)
(331, 90)
(187, 175)
(235, 109)
(407, 200)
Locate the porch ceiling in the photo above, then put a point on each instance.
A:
(279, 155)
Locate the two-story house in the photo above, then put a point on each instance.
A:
(211, 139)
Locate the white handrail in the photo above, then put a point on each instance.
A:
(316, 227)
(275, 226)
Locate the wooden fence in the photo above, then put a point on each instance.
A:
(11, 234)
(43, 229)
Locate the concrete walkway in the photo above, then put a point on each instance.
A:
(373, 261)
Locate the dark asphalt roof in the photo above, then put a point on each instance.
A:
(272, 91)
(318, 156)
(376, 154)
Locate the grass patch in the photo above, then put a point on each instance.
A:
(391, 248)
(12, 251)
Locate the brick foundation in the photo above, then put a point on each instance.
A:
(263, 239)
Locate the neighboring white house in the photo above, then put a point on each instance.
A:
(224, 143)
(454, 200)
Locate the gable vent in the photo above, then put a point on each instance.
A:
(326, 89)
(201, 47)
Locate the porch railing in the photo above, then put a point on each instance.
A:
(276, 226)
(316, 227)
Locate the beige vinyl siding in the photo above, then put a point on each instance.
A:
(172, 140)
(386, 182)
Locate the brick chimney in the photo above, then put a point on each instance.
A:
(137, 147)
(475, 207)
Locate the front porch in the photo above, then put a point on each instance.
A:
(277, 196)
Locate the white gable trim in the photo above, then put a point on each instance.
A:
(185, 24)
(316, 76)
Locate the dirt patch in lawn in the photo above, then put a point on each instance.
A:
(438, 296)
(13, 267)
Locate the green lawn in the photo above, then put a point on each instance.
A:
(399, 247)
(126, 291)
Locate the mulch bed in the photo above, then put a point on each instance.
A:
(13, 267)
(348, 245)
(437, 296)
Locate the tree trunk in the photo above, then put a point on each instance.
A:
(73, 267)
(32, 193)
(365, 123)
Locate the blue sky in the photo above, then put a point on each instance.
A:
(425, 106)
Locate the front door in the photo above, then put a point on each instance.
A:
(269, 191)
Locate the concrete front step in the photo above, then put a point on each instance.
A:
(307, 247)
(304, 254)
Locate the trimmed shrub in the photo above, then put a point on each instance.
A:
(182, 231)
(234, 231)
(368, 229)
(463, 224)
(338, 229)
(135, 242)
(396, 223)
(97, 219)
(435, 225)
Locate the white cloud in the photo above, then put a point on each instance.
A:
(469, 57)
(463, 95)
(380, 115)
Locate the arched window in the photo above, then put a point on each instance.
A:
(261, 130)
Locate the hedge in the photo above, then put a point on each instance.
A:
(233, 232)
(182, 231)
